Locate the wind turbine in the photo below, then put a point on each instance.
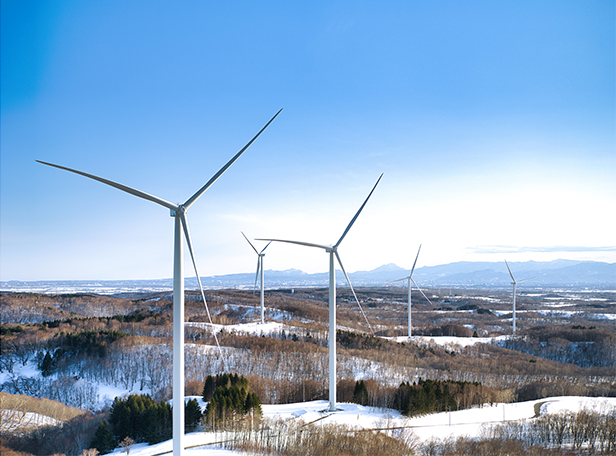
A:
(333, 252)
(259, 268)
(178, 211)
(410, 279)
(514, 283)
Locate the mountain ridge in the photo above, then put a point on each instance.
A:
(556, 273)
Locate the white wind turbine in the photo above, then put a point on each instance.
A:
(410, 279)
(515, 284)
(333, 251)
(178, 211)
(259, 268)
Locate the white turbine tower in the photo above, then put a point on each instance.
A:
(410, 279)
(333, 252)
(515, 284)
(178, 211)
(260, 256)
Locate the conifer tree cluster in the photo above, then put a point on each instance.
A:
(90, 343)
(103, 439)
(426, 396)
(429, 396)
(141, 419)
(360, 394)
(229, 398)
(72, 345)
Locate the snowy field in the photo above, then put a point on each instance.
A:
(435, 426)
(12, 420)
(448, 341)
(255, 328)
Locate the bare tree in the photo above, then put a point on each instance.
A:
(127, 444)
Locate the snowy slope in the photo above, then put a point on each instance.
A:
(17, 421)
(438, 425)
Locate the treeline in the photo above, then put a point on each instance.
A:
(78, 335)
(229, 400)
(421, 397)
(141, 419)
(432, 396)
(349, 339)
(448, 329)
(36, 308)
(581, 346)
(10, 330)
(86, 343)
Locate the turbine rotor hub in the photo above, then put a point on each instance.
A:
(179, 212)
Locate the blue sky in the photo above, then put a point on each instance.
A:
(493, 123)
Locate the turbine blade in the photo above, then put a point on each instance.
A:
(358, 212)
(512, 278)
(412, 270)
(397, 280)
(307, 244)
(424, 295)
(350, 285)
(124, 188)
(220, 172)
(257, 274)
(266, 247)
(253, 247)
(530, 278)
(192, 257)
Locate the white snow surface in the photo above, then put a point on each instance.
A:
(12, 420)
(424, 428)
(244, 328)
(448, 341)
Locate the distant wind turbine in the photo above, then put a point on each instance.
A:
(515, 284)
(410, 279)
(333, 252)
(178, 211)
(260, 256)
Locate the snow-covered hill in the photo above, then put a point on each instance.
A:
(469, 423)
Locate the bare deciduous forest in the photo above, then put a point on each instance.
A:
(67, 348)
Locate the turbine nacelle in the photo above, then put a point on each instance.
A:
(260, 256)
(179, 212)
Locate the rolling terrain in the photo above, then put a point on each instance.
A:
(84, 350)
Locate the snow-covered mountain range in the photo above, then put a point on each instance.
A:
(557, 273)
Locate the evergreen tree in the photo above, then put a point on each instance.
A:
(360, 394)
(253, 404)
(192, 414)
(141, 419)
(152, 426)
(47, 365)
(103, 439)
(208, 388)
(230, 400)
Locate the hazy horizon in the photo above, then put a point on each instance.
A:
(339, 277)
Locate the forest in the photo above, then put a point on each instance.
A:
(79, 350)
